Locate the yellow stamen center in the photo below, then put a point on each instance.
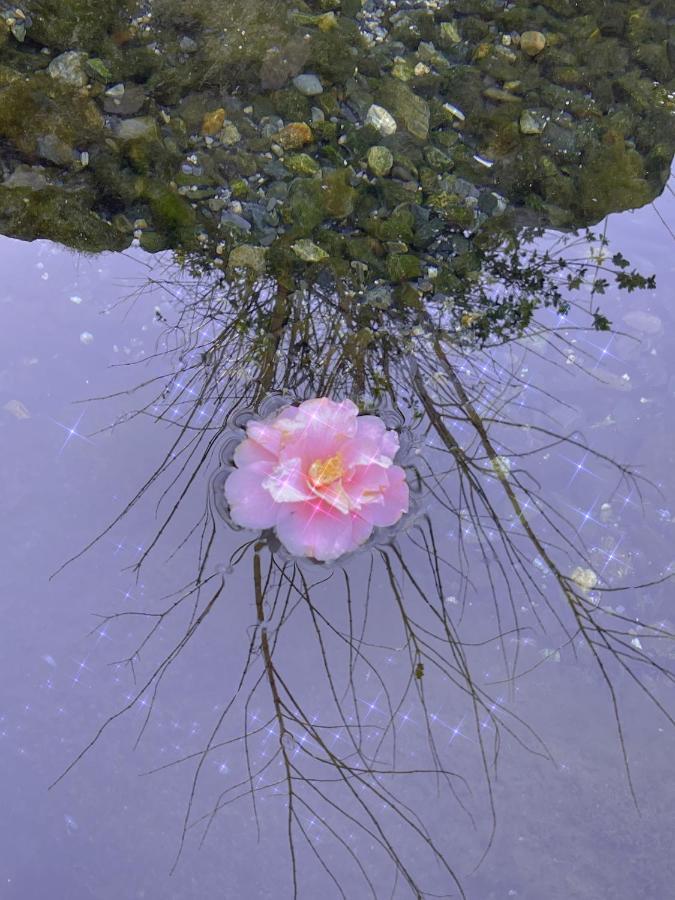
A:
(326, 471)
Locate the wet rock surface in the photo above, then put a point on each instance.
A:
(378, 133)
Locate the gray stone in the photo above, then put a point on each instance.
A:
(270, 125)
(309, 85)
(69, 67)
(116, 91)
(533, 121)
(18, 29)
(187, 45)
(134, 129)
(53, 149)
(236, 221)
(31, 177)
(229, 135)
(125, 103)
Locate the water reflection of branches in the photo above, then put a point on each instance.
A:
(429, 358)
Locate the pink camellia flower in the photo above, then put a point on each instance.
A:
(319, 474)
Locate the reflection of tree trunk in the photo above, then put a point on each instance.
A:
(268, 364)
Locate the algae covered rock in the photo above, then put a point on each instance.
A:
(77, 24)
(403, 267)
(407, 107)
(308, 251)
(294, 136)
(532, 42)
(52, 214)
(380, 160)
(69, 68)
(612, 178)
(249, 257)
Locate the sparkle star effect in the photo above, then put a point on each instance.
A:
(72, 432)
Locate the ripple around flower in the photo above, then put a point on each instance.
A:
(318, 474)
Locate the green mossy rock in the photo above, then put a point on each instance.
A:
(304, 210)
(612, 179)
(172, 214)
(403, 267)
(56, 215)
(77, 24)
(406, 107)
(339, 196)
(30, 110)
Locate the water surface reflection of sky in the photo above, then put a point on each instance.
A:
(564, 830)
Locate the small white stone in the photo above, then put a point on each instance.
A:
(381, 120)
(116, 91)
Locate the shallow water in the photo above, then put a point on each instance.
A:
(563, 829)
(478, 701)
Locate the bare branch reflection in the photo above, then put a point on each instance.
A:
(388, 637)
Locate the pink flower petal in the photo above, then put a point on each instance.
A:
(265, 434)
(319, 429)
(250, 504)
(316, 530)
(373, 443)
(366, 484)
(334, 495)
(373, 429)
(394, 503)
(250, 451)
(361, 529)
(287, 483)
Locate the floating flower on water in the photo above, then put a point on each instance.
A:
(319, 474)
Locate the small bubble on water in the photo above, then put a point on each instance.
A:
(86, 337)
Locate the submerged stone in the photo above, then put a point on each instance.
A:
(403, 267)
(302, 164)
(449, 34)
(98, 69)
(69, 67)
(381, 120)
(142, 128)
(408, 108)
(53, 149)
(533, 121)
(213, 121)
(247, 256)
(308, 85)
(339, 195)
(229, 134)
(294, 136)
(308, 251)
(380, 160)
(532, 42)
